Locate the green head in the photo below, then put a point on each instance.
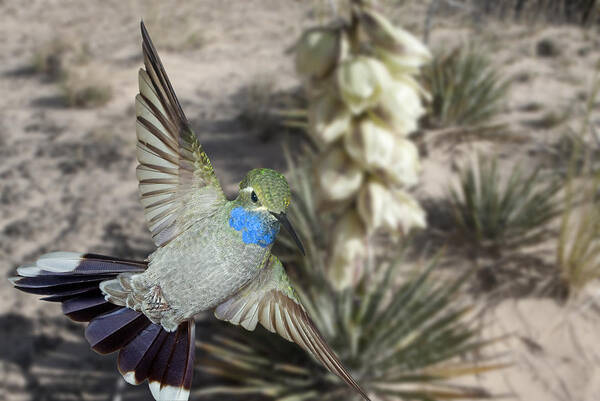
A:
(268, 191)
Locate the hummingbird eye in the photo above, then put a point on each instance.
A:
(254, 197)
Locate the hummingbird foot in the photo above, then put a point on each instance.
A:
(158, 310)
(155, 301)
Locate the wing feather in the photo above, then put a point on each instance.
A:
(177, 184)
(270, 300)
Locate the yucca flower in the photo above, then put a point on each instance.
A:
(400, 106)
(385, 35)
(394, 210)
(349, 250)
(361, 80)
(328, 118)
(399, 49)
(339, 177)
(380, 151)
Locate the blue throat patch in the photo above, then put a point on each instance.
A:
(255, 229)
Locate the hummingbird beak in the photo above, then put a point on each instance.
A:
(283, 220)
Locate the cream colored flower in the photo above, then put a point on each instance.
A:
(361, 81)
(400, 64)
(338, 176)
(317, 52)
(349, 251)
(328, 118)
(400, 106)
(402, 49)
(381, 151)
(391, 209)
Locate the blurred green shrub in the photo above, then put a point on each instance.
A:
(48, 59)
(69, 64)
(493, 213)
(466, 89)
(84, 91)
(578, 247)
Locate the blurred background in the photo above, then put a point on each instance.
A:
(450, 213)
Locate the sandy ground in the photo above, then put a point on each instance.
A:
(67, 178)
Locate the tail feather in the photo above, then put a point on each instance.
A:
(171, 378)
(65, 275)
(84, 308)
(66, 295)
(112, 331)
(142, 370)
(135, 359)
(146, 350)
(160, 364)
(52, 285)
(177, 379)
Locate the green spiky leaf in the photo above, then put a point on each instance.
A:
(492, 212)
(466, 89)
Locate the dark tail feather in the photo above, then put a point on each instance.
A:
(73, 279)
(85, 307)
(146, 350)
(165, 359)
(181, 363)
(112, 331)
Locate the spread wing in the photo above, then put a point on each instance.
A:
(270, 300)
(177, 183)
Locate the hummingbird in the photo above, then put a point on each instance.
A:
(211, 253)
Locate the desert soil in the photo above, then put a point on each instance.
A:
(67, 175)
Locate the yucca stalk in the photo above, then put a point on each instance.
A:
(359, 76)
(466, 89)
(492, 213)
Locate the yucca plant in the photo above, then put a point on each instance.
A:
(578, 248)
(402, 338)
(402, 342)
(494, 213)
(466, 89)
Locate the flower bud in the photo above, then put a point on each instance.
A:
(317, 52)
(381, 151)
(328, 118)
(338, 176)
(361, 80)
(393, 210)
(349, 251)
